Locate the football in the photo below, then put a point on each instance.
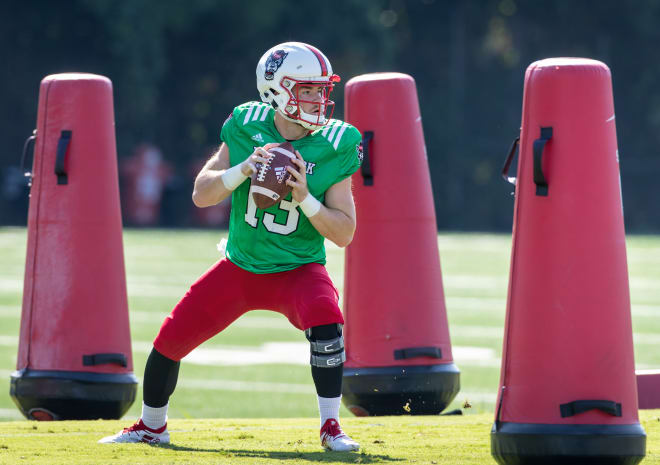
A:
(269, 181)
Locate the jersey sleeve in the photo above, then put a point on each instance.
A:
(350, 153)
(228, 131)
(234, 130)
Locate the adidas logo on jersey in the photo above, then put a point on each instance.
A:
(258, 138)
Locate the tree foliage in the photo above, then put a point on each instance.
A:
(178, 68)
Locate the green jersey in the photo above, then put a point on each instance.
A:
(281, 237)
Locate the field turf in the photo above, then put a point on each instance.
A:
(445, 440)
(258, 369)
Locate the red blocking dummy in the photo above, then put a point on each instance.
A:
(567, 389)
(648, 388)
(398, 349)
(74, 354)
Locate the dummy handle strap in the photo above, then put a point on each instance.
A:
(102, 359)
(367, 173)
(414, 352)
(539, 178)
(60, 158)
(508, 160)
(28, 147)
(580, 406)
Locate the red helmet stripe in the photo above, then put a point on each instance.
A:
(319, 56)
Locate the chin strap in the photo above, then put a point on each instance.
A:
(300, 122)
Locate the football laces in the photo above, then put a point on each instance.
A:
(261, 175)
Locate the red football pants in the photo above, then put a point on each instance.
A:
(305, 295)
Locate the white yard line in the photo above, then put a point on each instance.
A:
(477, 332)
(490, 304)
(290, 353)
(473, 282)
(453, 303)
(486, 397)
(244, 386)
(247, 321)
(11, 414)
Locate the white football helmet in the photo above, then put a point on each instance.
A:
(283, 69)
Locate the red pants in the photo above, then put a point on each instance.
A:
(305, 295)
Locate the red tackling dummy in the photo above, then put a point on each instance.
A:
(567, 390)
(399, 358)
(74, 353)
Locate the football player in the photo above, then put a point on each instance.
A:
(275, 257)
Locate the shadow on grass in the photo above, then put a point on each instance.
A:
(321, 456)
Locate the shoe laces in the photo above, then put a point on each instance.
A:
(140, 426)
(136, 426)
(331, 428)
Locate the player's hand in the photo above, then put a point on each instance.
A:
(260, 155)
(298, 178)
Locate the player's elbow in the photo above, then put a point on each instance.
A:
(343, 242)
(197, 200)
(346, 236)
(200, 200)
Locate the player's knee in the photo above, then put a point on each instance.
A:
(326, 345)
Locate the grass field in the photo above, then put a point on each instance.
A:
(227, 379)
(449, 440)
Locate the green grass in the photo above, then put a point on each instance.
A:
(161, 264)
(450, 440)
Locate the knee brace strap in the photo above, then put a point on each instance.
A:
(329, 352)
(328, 347)
(328, 361)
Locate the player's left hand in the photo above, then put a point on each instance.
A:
(298, 179)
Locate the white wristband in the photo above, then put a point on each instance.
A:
(233, 177)
(310, 206)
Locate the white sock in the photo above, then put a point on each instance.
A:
(154, 418)
(329, 408)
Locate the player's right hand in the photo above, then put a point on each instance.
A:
(260, 155)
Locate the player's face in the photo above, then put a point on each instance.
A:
(310, 96)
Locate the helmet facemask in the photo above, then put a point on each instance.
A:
(290, 103)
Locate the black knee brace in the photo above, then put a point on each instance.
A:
(326, 345)
(327, 358)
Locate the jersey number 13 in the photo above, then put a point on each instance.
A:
(269, 219)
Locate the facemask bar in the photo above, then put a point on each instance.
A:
(326, 106)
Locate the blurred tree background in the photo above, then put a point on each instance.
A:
(179, 67)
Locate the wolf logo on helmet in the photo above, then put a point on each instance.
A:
(273, 63)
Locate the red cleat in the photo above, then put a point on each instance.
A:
(139, 433)
(333, 438)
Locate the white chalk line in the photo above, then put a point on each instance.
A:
(11, 413)
(177, 288)
(453, 303)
